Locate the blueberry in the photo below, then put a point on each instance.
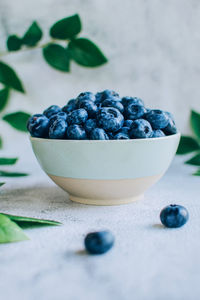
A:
(106, 94)
(38, 126)
(70, 106)
(158, 133)
(85, 96)
(134, 111)
(89, 106)
(174, 216)
(121, 136)
(99, 242)
(51, 110)
(98, 134)
(113, 103)
(57, 129)
(77, 116)
(134, 100)
(141, 129)
(76, 132)
(157, 118)
(124, 129)
(128, 123)
(110, 119)
(90, 124)
(60, 115)
(171, 127)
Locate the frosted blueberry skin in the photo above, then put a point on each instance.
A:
(106, 94)
(132, 100)
(70, 106)
(113, 103)
(90, 124)
(60, 115)
(121, 136)
(38, 126)
(134, 111)
(85, 96)
(128, 123)
(98, 134)
(76, 132)
(57, 129)
(99, 242)
(89, 106)
(77, 116)
(110, 119)
(157, 118)
(52, 110)
(171, 127)
(158, 133)
(174, 216)
(141, 129)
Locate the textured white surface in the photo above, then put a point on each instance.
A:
(147, 262)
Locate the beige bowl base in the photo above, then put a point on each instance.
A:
(105, 192)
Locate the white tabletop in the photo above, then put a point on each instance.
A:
(147, 261)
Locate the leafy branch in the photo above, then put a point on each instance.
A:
(63, 47)
(190, 144)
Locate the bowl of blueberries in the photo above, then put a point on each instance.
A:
(104, 149)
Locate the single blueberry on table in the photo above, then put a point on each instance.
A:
(171, 127)
(113, 103)
(134, 111)
(89, 106)
(57, 129)
(157, 118)
(76, 132)
(110, 119)
(99, 242)
(38, 126)
(60, 115)
(174, 216)
(70, 106)
(51, 110)
(90, 124)
(98, 134)
(158, 133)
(106, 94)
(141, 129)
(128, 123)
(121, 136)
(77, 116)
(134, 100)
(85, 96)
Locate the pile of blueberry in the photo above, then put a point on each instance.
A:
(104, 116)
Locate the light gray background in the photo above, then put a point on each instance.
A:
(153, 49)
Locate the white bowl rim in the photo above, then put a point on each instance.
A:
(106, 141)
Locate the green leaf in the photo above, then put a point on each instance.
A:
(4, 96)
(10, 231)
(18, 120)
(86, 53)
(66, 28)
(57, 57)
(187, 145)
(195, 123)
(11, 174)
(7, 161)
(197, 173)
(195, 161)
(1, 143)
(27, 222)
(14, 43)
(2, 183)
(33, 35)
(9, 77)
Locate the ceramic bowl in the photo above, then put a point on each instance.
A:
(105, 172)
